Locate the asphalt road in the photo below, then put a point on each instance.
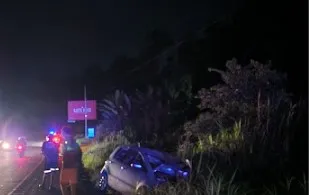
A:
(14, 170)
(22, 176)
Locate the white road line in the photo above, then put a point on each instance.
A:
(30, 186)
(25, 178)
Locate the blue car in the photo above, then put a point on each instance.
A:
(132, 169)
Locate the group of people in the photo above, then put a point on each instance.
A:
(66, 158)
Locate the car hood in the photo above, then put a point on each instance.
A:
(169, 159)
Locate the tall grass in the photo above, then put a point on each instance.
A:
(98, 153)
(259, 151)
(247, 158)
(216, 184)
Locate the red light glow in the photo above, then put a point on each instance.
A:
(56, 140)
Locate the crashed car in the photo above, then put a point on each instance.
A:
(133, 169)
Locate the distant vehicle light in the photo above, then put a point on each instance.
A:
(6, 145)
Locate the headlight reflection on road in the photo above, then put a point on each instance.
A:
(22, 162)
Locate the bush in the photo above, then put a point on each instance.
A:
(258, 145)
(94, 158)
(83, 141)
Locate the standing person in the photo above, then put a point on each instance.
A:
(71, 155)
(50, 152)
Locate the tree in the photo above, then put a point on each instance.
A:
(115, 110)
(251, 93)
(150, 112)
(180, 96)
(255, 95)
(159, 110)
(248, 121)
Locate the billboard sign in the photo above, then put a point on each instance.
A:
(77, 110)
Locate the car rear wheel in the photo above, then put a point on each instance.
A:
(143, 190)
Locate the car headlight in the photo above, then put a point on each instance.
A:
(6, 145)
(182, 174)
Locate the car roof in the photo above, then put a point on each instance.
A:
(155, 153)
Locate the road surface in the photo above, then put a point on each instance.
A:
(14, 170)
(21, 176)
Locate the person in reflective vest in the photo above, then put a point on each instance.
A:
(71, 162)
(51, 154)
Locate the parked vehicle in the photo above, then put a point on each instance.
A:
(132, 169)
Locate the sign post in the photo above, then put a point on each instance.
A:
(86, 111)
(82, 110)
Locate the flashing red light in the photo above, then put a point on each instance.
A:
(19, 147)
(56, 139)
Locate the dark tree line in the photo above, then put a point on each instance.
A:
(259, 30)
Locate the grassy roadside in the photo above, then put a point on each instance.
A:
(209, 176)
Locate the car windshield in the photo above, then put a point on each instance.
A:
(154, 161)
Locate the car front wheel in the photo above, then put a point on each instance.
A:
(143, 190)
(103, 182)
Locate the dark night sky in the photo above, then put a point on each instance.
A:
(67, 36)
(50, 41)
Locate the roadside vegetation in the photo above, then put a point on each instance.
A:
(241, 140)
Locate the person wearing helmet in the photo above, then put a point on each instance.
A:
(50, 152)
(21, 141)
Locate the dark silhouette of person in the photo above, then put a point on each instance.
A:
(71, 162)
(51, 155)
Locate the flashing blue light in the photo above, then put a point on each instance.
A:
(52, 132)
(137, 166)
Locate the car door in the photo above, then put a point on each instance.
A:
(134, 172)
(114, 166)
(122, 185)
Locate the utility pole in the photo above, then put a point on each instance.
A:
(85, 99)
